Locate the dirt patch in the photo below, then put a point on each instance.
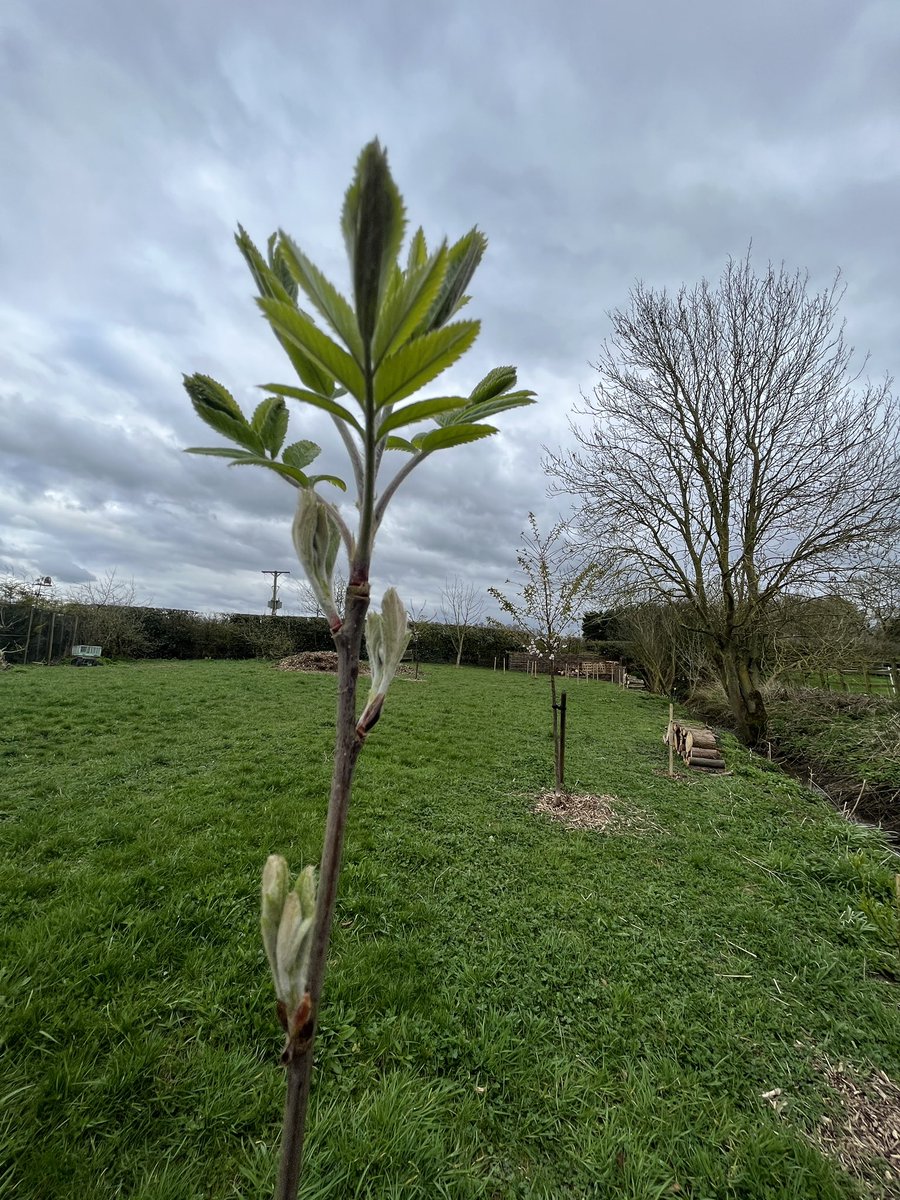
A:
(582, 810)
(864, 1135)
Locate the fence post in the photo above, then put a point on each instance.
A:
(50, 641)
(28, 636)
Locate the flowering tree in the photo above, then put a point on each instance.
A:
(555, 581)
(393, 339)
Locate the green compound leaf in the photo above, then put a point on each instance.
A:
(215, 405)
(451, 435)
(314, 399)
(420, 410)
(298, 330)
(270, 422)
(324, 295)
(301, 454)
(424, 358)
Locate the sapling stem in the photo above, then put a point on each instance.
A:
(396, 337)
(347, 747)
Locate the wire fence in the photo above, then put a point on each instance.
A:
(29, 634)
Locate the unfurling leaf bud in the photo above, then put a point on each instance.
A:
(274, 894)
(287, 928)
(294, 944)
(306, 890)
(387, 636)
(316, 540)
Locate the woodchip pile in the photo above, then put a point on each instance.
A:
(327, 661)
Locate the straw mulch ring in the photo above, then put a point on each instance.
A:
(581, 810)
(864, 1133)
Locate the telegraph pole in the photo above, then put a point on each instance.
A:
(275, 603)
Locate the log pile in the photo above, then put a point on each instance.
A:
(697, 746)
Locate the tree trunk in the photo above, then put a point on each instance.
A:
(459, 650)
(742, 683)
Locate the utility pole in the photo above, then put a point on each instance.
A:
(275, 603)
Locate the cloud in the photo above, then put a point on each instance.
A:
(594, 144)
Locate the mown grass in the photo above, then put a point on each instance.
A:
(512, 1009)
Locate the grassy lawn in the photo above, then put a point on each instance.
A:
(513, 1009)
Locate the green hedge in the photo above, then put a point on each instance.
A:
(132, 632)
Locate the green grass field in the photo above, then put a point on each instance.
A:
(512, 1010)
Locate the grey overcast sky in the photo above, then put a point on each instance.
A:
(595, 141)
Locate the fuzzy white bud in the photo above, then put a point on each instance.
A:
(316, 539)
(387, 636)
(287, 928)
(274, 894)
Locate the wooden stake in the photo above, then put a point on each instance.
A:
(671, 741)
(52, 631)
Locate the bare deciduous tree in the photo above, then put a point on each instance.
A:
(667, 649)
(308, 601)
(106, 613)
(731, 457)
(461, 608)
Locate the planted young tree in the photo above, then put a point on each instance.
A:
(394, 338)
(730, 458)
(461, 608)
(555, 582)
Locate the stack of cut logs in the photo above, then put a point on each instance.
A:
(697, 746)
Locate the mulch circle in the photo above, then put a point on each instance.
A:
(583, 810)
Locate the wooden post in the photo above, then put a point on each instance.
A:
(671, 741)
(28, 636)
(495, 662)
(562, 740)
(50, 642)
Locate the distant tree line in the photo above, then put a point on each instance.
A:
(806, 640)
(142, 632)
